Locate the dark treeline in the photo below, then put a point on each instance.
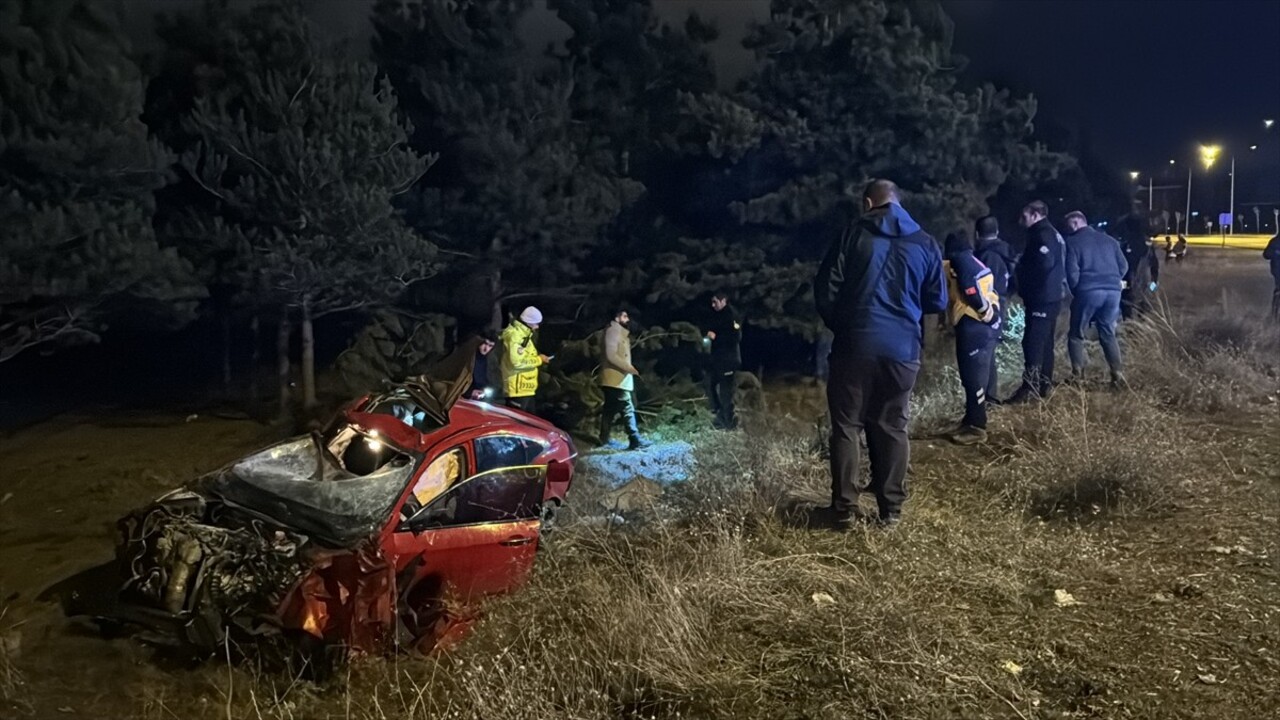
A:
(268, 186)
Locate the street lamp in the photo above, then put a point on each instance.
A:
(1268, 123)
(1133, 174)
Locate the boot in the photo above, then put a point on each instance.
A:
(968, 435)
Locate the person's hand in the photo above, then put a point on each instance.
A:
(544, 358)
(989, 315)
(1152, 287)
(477, 394)
(711, 335)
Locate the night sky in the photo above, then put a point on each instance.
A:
(1143, 81)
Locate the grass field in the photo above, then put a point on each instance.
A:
(1108, 555)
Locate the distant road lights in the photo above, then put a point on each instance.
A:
(1253, 147)
(1268, 123)
(1173, 162)
(1133, 174)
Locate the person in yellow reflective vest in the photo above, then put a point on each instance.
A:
(521, 360)
(974, 308)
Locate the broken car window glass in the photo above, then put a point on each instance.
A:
(294, 482)
(500, 451)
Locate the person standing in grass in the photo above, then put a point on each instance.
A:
(878, 280)
(521, 360)
(617, 382)
(1042, 283)
(1143, 278)
(999, 259)
(1095, 274)
(975, 314)
(1272, 253)
(724, 337)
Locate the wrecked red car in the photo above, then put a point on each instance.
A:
(379, 532)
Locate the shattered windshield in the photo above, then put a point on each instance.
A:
(343, 493)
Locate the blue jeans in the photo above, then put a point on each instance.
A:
(1100, 308)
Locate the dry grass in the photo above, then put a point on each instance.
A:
(13, 694)
(1148, 506)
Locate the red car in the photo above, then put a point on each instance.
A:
(379, 532)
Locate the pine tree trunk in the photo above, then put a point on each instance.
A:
(282, 362)
(495, 295)
(226, 353)
(255, 356)
(308, 359)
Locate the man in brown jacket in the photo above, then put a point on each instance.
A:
(617, 380)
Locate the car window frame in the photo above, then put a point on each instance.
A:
(541, 468)
(475, 443)
(467, 465)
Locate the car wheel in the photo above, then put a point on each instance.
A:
(550, 510)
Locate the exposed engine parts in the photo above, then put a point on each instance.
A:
(186, 555)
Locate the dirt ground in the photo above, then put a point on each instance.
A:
(1187, 600)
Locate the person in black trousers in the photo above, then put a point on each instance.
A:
(878, 280)
(975, 313)
(998, 257)
(724, 336)
(1042, 283)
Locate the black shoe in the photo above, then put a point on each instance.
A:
(829, 517)
(968, 435)
(889, 522)
(639, 444)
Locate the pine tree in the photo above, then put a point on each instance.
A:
(846, 90)
(525, 191)
(302, 151)
(77, 177)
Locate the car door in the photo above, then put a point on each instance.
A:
(477, 537)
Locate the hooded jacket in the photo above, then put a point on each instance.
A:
(1272, 253)
(1095, 261)
(879, 278)
(1042, 278)
(971, 286)
(998, 257)
(616, 370)
(520, 361)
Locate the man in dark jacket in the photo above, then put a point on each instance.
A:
(1272, 253)
(724, 335)
(1042, 283)
(481, 387)
(1095, 274)
(878, 280)
(975, 313)
(998, 257)
(1143, 277)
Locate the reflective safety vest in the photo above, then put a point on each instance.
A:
(520, 361)
(960, 297)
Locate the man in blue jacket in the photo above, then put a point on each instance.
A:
(998, 257)
(1042, 283)
(878, 280)
(1096, 269)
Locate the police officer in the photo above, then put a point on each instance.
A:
(724, 336)
(521, 360)
(1042, 283)
(974, 311)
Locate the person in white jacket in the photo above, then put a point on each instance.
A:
(617, 380)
